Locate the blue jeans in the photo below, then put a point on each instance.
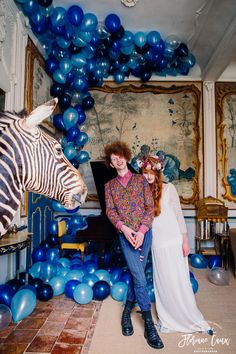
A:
(138, 288)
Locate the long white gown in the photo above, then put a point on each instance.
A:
(175, 301)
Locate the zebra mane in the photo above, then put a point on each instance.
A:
(6, 118)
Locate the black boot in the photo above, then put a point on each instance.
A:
(150, 332)
(126, 324)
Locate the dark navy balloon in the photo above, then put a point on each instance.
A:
(101, 290)
(44, 292)
(45, 3)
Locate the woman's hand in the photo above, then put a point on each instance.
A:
(185, 248)
(129, 234)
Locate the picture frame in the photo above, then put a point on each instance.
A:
(225, 98)
(37, 84)
(160, 116)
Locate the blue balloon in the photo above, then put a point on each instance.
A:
(59, 76)
(58, 284)
(35, 269)
(119, 77)
(153, 38)
(90, 266)
(126, 277)
(51, 64)
(119, 291)
(215, 262)
(29, 7)
(83, 156)
(90, 279)
(69, 151)
(53, 227)
(57, 206)
(198, 261)
(75, 15)
(191, 275)
(44, 292)
(37, 18)
(70, 287)
(115, 274)
(58, 16)
(64, 102)
(89, 22)
(65, 65)
(140, 39)
(29, 287)
(103, 274)
(23, 304)
(194, 284)
(101, 290)
(70, 117)
(127, 39)
(81, 117)
(83, 294)
(38, 254)
(151, 292)
(64, 261)
(63, 43)
(48, 270)
(80, 84)
(56, 90)
(52, 254)
(82, 139)
(72, 134)
(45, 3)
(6, 294)
(112, 23)
(58, 122)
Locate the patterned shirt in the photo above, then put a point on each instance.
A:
(131, 204)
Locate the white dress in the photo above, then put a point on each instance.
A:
(175, 300)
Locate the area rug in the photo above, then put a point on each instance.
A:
(217, 303)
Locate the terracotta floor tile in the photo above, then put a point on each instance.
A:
(5, 333)
(31, 323)
(41, 312)
(79, 324)
(42, 343)
(62, 348)
(59, 317)
(52, 328)
(12, 348)
(85, 313)
(72, 337)
(21, 336)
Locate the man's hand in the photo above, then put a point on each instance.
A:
(129, 234)
(139, 236)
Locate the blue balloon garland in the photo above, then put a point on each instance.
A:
(82, 52)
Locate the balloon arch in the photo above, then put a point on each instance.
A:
(82, 52)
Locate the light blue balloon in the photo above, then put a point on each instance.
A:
(119, 77)
(70, 117)
(59, 76)
(89, 22)
(86, 35)
(69, 151)
(103, 274)
(83, 294)
(48, 271)
(132, 63)
(127, 50)
(29, 287)
(75, 274)
(65, 65)
(119, 291)
(35, 269)
(52, 254)
(78, 60)
(83, 156)
(127, 39)
(90, 279)
(88, 52)
(78, 41)
(64, 261)
(63, 43)
(63, 271)
(58, 284)
(82, 139)
(22, 304)
(140, 39)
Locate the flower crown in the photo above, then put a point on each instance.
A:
(150, 163)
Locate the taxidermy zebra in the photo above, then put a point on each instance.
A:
(31, 160)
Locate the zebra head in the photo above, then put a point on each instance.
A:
(31, 160)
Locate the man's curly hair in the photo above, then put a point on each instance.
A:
(119, 148)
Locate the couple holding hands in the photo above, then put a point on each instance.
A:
(147, 213)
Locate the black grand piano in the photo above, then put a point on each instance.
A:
(99, 229)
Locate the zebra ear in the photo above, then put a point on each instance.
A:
(40, 113)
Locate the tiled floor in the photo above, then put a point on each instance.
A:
(58, 326)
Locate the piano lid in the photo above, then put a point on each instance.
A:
(102, 175)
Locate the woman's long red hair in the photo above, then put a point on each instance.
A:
(157, 192)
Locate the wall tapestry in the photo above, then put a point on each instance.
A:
(162, 118)
(226, 142)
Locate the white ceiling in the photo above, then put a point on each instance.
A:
(208, 27)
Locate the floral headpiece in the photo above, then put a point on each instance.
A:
(147, 162)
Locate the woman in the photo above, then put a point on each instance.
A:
(175, 300)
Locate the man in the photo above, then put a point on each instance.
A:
(129, 207)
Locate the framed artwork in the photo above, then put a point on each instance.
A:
(225, 94)
(37, 84)
(157, 118)
(24, 205)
